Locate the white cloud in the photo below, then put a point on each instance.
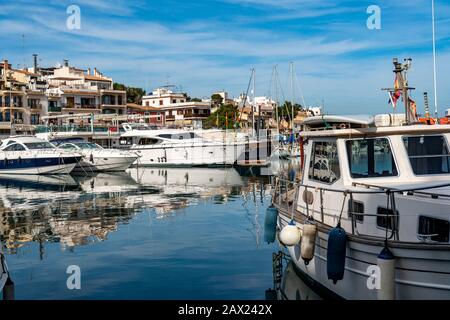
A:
(339, 61)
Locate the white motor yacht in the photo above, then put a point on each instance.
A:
(30, 155)
(175, 147)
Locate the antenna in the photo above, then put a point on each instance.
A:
(427, 109)
(23, 50)
(434, 62)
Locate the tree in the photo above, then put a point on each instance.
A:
(285, 110)
(225, 117)
(216, 100)
(134, 95)
(189, 99)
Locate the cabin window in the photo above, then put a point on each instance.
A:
(428, 154)
(67, 146)
(39, 145)
(179, 136)
(126, 141)
(433, 229)
(147, 141)
(371, 158)
(356, 209)
(386, 218)
(324, 165)
(15, 147)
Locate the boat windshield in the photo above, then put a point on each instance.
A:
(87, 145)
(39, 145)
(428, 154)
(179, 136)
(371, 158)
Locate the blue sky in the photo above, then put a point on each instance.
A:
(209, 45)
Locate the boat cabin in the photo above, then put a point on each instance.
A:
(142, 138)
(377, 176)
(75, 144)
(25, 143)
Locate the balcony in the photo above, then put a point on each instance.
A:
(17, 121)
(80, 106)
(54, 109)
(108, 105)
(35, 106)
(13, 105)
(5, 125)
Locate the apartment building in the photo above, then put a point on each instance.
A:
(151, 115)
(176, 109)
(22, 100)
(77, 91)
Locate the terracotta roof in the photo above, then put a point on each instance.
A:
(65, 78)
(25, 72)
(141, 107)
(95, 93)
(95, 78)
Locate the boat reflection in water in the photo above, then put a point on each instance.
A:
(147, 233)
(78, 210)
(177, 188)
(289, 285)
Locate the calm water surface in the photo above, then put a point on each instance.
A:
(144, 234)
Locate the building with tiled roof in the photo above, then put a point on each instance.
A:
(28, 95)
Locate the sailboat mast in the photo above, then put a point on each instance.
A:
(277, 100)
(253, 103)
(292, 95)
(434, 62)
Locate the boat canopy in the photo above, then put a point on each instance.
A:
(358, 120)
(58, 142)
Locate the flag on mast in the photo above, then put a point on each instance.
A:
(413, 107)
(397, 92)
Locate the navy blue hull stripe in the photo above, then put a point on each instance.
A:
(19, 163)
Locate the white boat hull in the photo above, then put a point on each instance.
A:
(57, 169)
(3, 271)
(100, 164)
(190, 155)
(421, 273)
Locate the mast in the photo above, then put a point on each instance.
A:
(434, 62)
(401, 71)
(292, 95)
(276, 99)
(292, 108)
(254, 102)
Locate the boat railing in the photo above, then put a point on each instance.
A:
(286, 195)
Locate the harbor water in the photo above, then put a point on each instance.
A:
(149, 233)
